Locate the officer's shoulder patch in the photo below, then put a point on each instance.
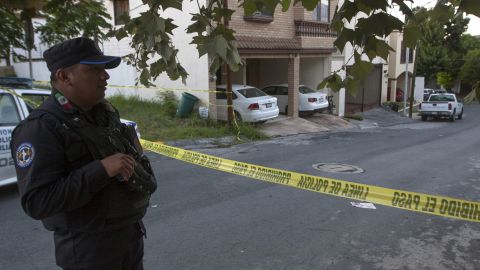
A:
(25, 155)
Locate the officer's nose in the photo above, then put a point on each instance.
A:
(105, 75)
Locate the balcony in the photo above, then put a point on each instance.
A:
(313, 29)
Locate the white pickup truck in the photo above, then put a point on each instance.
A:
(441, 106)
(13, 109)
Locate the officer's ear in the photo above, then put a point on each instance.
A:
(63, 75)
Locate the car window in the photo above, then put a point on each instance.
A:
(441, 98)
(269, 90)
(221, 93)
(306, 90)
(251, 92)
(34, 100)
(8, 110)
(282, 91)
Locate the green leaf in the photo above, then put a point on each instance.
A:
(249, 6)
(285, 5)
(348, 10)
(360, 69)
(145, 77)
(440, 13)
(380, 24)
(334, 82)
(470, 7)
(309, 4)
(176, 4)
(411, 34)
(347, 35)
(120, 34)
(351, 85)
(367, 6)
(383, 49)
(403, 8)
(221, 46)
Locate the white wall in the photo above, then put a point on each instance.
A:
(126, 75)
(419, 86)
(312, 71)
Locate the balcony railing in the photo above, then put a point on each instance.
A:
(313, 29)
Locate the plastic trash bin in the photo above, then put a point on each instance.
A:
(186, 104)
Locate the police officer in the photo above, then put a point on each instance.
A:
(79, 169)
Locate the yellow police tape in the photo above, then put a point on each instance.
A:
(412, 201)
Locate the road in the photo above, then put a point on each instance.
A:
(205, 219)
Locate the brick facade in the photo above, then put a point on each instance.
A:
(282, 26)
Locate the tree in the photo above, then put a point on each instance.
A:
(440, 46)
(69, 19)
(64, 19)
(155, 54)
(11, 33)
(445, 79)
(470, 72)
(151, 34)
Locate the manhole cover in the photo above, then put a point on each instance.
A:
(337, 168)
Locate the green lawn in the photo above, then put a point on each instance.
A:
(157, 122)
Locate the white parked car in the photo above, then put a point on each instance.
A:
(250, 104)
(13, 109)
(309, 99)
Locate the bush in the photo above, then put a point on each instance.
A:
(168, 101)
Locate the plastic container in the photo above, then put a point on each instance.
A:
(187, 102)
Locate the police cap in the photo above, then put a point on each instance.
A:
(77, 51)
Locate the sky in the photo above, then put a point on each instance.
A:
(473, 26)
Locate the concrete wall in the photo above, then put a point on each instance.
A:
(126, 75)
(312, 71)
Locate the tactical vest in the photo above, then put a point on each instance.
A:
(121, 203)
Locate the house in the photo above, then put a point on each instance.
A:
(294, 47)
(386, 82)
(397, 68)
(125, 75)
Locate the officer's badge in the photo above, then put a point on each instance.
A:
(25, 155)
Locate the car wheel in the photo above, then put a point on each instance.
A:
(460, 116)
(424, 118)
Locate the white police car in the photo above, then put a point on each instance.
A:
(13, 109)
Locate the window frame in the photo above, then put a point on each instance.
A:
(14, 104)
(317, 12)
(120, 4)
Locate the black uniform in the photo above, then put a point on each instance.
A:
(96, 219)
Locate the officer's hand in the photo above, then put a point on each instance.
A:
(119, 164)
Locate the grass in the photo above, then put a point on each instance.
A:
(353, 117)
(157, 122)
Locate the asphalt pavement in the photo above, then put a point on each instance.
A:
(205, 219)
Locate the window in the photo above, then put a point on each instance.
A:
(120, 7)
(306, 90)
(8, 111)
(269, 90)
(282, 91)
(251, 92)
(322, 11)
(403, 55)
(263, 14)
(34, 100)
(222, 94)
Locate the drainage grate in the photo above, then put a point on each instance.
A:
(337, 168)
